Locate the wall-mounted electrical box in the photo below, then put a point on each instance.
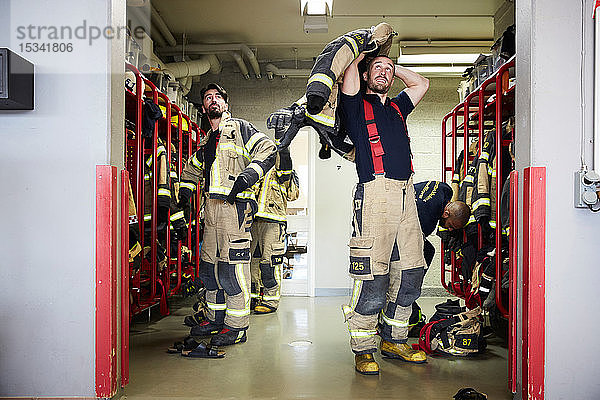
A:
(16, 81)
(586, 187)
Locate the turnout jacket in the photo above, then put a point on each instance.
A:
(273, 192)
(241, 152)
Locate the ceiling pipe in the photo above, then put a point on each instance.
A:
(215, 64)
(272, 70)
(143, 20)
(241, 65)
(162, 26)
(184, 69)
(186, 85)
(216, 49)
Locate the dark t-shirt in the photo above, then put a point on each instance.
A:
(432, 197)
(392, 131)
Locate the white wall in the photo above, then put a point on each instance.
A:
(47, 235)
(549, 126)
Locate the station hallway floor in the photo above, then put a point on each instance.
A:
(277, 362)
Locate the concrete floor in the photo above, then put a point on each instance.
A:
(270, 366)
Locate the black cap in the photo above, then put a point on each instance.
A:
(218, 88)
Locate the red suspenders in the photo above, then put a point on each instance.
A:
(374, 139)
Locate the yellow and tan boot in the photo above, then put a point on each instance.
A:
(402, 351)
(366, 364)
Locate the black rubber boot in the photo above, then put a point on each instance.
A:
(228, 337)
(205, 328)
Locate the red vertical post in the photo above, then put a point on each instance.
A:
(106, 280)
(124, 278)
(534, 248)
(513, 281)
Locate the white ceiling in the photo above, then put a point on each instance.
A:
(274, 29)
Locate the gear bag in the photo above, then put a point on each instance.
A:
(459, 335)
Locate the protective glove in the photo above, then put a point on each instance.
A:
(315, 104)
(239, 185)
(286, 122)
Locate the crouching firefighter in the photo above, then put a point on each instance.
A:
(234, 157)
(435, 209)
(386, 247)
(278, 186)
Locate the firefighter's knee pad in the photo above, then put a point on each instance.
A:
(410, 286)
(207, 275)
(372, 295)
(267, 276)
(228, 278)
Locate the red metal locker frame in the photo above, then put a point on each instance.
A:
(513, 247)
(179, 168)
(498, 123)
(106, 281)
(468, 113)
(534, 265)
(124, 278)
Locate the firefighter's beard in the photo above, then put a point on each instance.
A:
(381, 88)
(215, 114)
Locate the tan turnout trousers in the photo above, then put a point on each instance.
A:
(267, 251)
(386, 262)
(225, 262)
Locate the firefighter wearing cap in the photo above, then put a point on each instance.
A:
(386, 247)
(277, 187)
(235, 155)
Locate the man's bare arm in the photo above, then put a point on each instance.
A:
(351, 84)
(416, 85)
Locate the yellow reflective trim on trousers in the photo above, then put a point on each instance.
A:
(355, 293)
(148, 217)
(257, 168)
(174, 175)
(237, 313)
(254, 295)
(493, 224)
(484, 156)
(241, 278)
(353, 45)
(253, 139)
(323, 78)
(468, 178)
(216, 306)
(164, 192)
(322, 119)
(456, 177)
(362, 333)
(187, 185)
(394, 322)
(240, 150)
(176, 216)
(147, 177)
(481, 202)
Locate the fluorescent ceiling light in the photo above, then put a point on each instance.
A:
(439, 71)
(466, 59)
(316, 7)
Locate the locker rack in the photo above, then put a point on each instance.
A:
(150, 286)
(483, 109)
